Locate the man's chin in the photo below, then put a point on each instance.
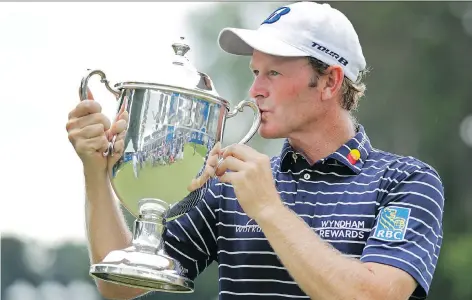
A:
(267, 133)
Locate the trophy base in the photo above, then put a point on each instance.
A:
(157, 272)
(145, 264)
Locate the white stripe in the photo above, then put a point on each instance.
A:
(399, 259)
(259, 294)
(392, 161)
(208, 225)
(345, 241)
(184, 255)
(251, 266)
(404, 250)
(231, 212)
(241, 239)
(426, 225)
(220, 195)
(209, 209)
(307, 203)
(419, 165)
(418, 194)
(188, 257)
(257, 280)
(198, 232)
(428, 173)
(173, 235)
(426, 184)
(344, 192)
(311, 193)
(423, 236)
(198, 247)
(342, 183)
(246, 252)
(265, 239)
(337, 215)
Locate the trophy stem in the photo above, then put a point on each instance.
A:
(149, 226)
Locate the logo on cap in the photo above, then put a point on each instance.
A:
(275, 16)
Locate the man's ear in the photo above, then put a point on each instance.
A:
(332, 82)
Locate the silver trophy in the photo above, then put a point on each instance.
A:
(173, 125)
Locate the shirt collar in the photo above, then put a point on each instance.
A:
(352, 154)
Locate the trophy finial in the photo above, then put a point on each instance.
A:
(180, 48)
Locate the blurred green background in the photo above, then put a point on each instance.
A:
(418, 103)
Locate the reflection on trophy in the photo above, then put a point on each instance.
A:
(174, 122)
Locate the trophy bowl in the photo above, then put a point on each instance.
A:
(173, 124)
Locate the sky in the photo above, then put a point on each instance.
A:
(44, 50)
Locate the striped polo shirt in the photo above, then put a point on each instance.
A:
(369, 204)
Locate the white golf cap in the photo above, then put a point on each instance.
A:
(302, 29)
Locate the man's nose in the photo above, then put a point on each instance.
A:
(258, 89)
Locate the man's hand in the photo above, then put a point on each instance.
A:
(211, 164)
(90, 132)
(251, 176)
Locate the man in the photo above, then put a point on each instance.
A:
(331, 217)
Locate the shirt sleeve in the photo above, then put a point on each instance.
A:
(191, 238)
(407, 232)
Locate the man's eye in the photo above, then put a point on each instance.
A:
(255, 72)
(274, 73)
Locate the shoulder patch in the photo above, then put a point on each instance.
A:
(392, 224)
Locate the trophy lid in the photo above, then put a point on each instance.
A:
(178, 74)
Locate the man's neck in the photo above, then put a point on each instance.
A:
(324, 137)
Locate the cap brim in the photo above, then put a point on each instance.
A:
(243, 42)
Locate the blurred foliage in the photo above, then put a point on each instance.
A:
(418, 93)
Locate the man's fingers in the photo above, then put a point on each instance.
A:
(119, 146)
(123, 116)
(216, 149)
(209, 170)
(122, 109)
(84, 108)
(118, 127)
(92, 131)
(228, 177)
(202, 179)
(82, 122)
(242, 152)
(89, 94)
(98, 143)
(212, 161)
(229, 163)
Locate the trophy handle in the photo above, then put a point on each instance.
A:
(83, 96)
(255, 123)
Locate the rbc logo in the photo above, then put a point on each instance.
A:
(275, 16)
(392, 224)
